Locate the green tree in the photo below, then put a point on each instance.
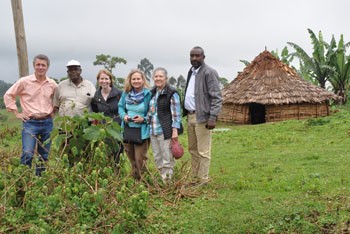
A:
(172, 81)
(119, 82)
(245, 62)
(147, 67)
(317, 65)
(223, 82)
(4, 87)
(340, 79)
(284, 57)
(108, 62)
(2, 104)
(181, 82)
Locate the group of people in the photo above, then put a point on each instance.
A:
(155, 111)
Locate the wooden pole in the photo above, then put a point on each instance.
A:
(20, 38)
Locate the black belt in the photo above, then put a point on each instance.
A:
(191, 112)
(41, 117)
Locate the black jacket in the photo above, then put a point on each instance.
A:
(164, 111)
(109, 107)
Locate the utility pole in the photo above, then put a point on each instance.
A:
(21, 43)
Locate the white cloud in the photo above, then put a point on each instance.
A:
(164, 31)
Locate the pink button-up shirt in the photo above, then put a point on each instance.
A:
(35, 97)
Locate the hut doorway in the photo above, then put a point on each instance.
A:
(257, 113)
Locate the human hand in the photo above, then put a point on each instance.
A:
(126, 118)
(138, 119)
(174, 134)
(211, 124)
(21, 116)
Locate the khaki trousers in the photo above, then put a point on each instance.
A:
(162, 156)
(137, 155)
(199, 146)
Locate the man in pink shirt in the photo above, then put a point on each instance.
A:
(35, 93)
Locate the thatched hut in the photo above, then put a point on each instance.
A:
(268, 91)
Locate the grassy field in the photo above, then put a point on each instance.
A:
(8, 119)
(287, 177)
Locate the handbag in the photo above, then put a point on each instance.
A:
(132, 135)
(176, 149)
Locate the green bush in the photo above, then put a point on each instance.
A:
(78, 192)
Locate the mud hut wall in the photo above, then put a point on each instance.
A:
(234, 113)
(276, 113)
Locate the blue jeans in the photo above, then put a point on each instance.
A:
(36, 132)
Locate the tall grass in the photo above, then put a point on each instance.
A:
(286, 177)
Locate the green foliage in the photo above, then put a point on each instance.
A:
(340, 79)
(329, 62)
(317, 121)
(3, 118)
(108, 62)
(147, 67)
(318, 65)
(3, 88)
(245, 62)
(79, 138)
(181, 82)
(119, 82)
(286, 177)
(9, 119)
(172, 81)
(285, 57)
(83, 193)
(223, 82)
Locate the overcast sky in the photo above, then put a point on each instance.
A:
(164, 31)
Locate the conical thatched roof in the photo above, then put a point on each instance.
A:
(268, 81)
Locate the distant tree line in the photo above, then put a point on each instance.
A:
(3, 88)
(109, 62)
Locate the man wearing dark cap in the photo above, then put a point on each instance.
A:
(73, 95)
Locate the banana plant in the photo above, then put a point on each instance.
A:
(317, 65)
(340, 79)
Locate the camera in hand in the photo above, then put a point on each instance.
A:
(130, 119)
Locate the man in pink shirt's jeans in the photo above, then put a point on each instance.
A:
(35, 93)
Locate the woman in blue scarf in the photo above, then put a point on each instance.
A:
(133, 108)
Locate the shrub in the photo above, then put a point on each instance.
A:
(81, 189)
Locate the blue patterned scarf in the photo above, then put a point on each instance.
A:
(134, 98)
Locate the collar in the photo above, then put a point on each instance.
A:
(155, 90)
(33, 78)
(82, 83)
(195, 71)
(114, 92)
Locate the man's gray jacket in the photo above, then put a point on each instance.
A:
(207, 94)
